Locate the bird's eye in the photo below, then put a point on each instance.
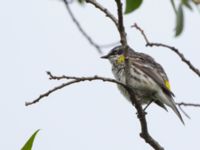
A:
(120, 52)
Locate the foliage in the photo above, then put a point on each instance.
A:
(179, 20)
(28, 145)
(132, 5)
(81, 1)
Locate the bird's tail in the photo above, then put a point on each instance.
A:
(175, 109)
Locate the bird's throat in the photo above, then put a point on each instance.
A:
(121, 59)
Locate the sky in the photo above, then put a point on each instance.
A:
(39, 36)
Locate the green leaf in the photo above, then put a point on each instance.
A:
(187, 4)
(179, 20)
(132, 5)
(28, 145)
(81, 1)
(173, 6)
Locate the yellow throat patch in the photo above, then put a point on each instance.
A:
(121, 59)
(167, 84)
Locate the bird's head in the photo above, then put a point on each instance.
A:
(116, 55)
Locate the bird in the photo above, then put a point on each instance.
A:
(147, 78)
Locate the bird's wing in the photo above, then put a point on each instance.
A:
(154, 70)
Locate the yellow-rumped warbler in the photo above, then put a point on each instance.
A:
(147, 78)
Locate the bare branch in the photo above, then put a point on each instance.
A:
(104, 10)
(143, 123)
(151, 44)
(74, 80)
(76, 22)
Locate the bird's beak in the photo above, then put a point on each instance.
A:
(105, 57)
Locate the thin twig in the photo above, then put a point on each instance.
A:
(90, 40)
(104, 10)
(188, 104)
(184, 112)
(151, 44)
